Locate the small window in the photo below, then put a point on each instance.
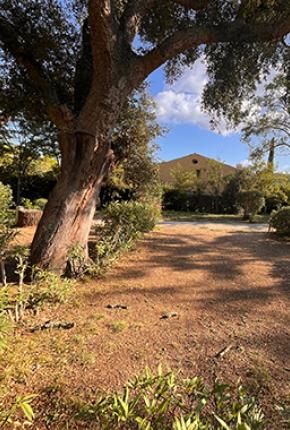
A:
(194, 161)
(198, 173)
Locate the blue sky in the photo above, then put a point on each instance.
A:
(179, 109)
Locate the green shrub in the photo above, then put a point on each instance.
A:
(6, 231)
(5, 203)
(39, 203)
(27, 203)
(280, 220)
(251, 202)
(124, 222)
(48, 287)
(167, 402)
(138, 217)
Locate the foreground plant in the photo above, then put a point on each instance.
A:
(7, 233)
(16, 299)
(124, 223)
(165, 401)
(10, 416)
(280, 221)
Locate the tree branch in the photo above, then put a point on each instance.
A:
(193, 4)
(237, 32)
(10, 40)
(132, 15)
(102, 44)
(102, 35)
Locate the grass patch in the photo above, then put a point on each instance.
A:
(119, 326)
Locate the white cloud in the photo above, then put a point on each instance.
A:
(180, 103)
(245, 163)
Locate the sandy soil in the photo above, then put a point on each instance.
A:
(228, 288)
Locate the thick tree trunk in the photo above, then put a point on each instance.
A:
(69, 213)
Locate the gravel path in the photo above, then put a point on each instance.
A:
(225, 226)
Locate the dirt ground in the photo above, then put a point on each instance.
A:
(228, 289)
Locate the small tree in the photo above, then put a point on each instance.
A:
(251, 201)
(214, 181)
(266, 121)
(258, 177)
(133, 142)
(183, 180)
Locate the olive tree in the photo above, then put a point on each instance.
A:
(75, 63)
(266, 121)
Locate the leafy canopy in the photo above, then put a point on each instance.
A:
(51, 49)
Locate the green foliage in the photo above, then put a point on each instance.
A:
(124, 222)
(7, 234)
(48, 287)
(164, 401)
(77, 261)
(40, 203)
(45, 288)
(133, 142)
(261, 178)
(280, 220)
(27, 149)
(5, 203)
(5, 322)
(55, 39)
(265, 120)
(9, 415)
(27, 203)
(140, 217)
(251, 201)
(215, 180)
(36, 204)
(183, 180)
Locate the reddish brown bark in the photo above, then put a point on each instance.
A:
(69, 212)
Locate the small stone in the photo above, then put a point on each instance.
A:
(168, 315)
(116, 306)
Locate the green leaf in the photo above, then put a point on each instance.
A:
(27, 410)
(222, 422)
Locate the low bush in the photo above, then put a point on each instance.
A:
(48, 287)
(280, 220)
(164, 401)
(133, 216)
(16, 299)
(124, 222)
